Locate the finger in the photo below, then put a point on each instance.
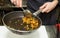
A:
(12, 1)
(48, 11)
(43, 6)
(15, 2)
(19, 3)
(45, 10)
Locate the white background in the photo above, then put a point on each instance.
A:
(40, 33)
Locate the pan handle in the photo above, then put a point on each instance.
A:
(37, 12)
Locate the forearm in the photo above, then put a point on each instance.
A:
(57, 1)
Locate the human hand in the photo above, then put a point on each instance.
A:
(48, 6)
(18, 3)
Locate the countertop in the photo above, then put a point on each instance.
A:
(40, 33)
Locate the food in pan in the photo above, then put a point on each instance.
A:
(25, 23)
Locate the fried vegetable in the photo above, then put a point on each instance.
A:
(26, 23)
(32, 21)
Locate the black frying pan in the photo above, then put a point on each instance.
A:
(18, 14)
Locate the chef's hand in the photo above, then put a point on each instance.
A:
(18, 3)
(48, 6)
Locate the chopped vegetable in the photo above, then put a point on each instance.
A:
(25, 23)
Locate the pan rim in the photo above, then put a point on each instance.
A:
(15, 29)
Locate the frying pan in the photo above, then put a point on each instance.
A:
(18, 14)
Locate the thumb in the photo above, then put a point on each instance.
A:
(43, 6)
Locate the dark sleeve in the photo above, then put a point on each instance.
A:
(59, 2)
